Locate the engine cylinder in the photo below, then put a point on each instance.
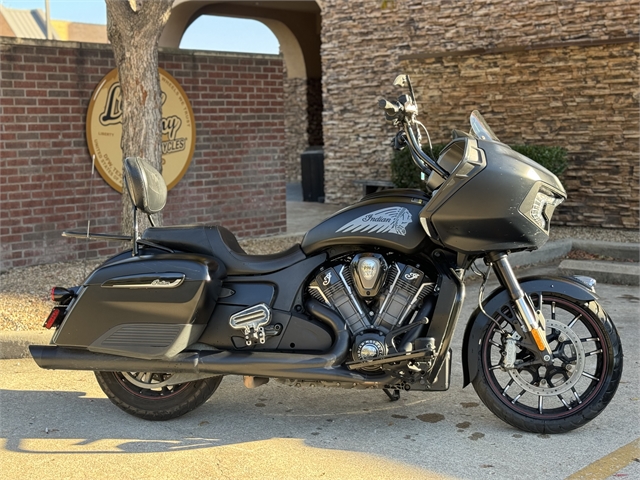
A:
(403, 294)
(336, 290)
(354, 291)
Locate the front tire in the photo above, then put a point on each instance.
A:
(580, 383)
(146, 395)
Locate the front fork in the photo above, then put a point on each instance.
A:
(531, 320)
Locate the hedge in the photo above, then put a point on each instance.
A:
(406, 174)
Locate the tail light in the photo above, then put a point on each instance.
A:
(61, 295)
(55, 317)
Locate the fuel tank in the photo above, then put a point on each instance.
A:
(387, 219)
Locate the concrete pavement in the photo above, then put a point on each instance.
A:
(58, 424)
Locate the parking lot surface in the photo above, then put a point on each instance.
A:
(59, 424)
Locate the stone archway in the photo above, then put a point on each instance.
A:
(296, 25)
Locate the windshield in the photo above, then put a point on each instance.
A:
(480, 129)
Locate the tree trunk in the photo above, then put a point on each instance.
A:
(134, 28)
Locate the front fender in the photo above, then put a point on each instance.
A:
(562, 286)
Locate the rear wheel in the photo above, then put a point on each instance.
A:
(571, 391)
(151, 397)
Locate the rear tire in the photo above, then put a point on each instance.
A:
(584, 376)
(127, 391)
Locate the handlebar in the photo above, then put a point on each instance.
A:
(402, 113)
(423, 160)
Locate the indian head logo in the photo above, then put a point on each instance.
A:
(104, 129)
(388, 220)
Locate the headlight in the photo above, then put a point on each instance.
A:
(542, 209)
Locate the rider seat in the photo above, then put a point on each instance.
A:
(219, 242)
(148, 193)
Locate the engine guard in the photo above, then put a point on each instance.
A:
(562, 286)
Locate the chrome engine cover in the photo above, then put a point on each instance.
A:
(369, 346)
(369, 272)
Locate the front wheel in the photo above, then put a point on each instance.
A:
(152, 396)
(571, 391)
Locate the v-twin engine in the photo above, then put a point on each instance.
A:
(370, 294)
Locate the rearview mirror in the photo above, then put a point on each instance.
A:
(402, 81)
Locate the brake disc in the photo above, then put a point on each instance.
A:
(569, 346)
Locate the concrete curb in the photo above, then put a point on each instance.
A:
(547, 253)
(15, 344)
(628, 251)
(605, 272)
(616, 273)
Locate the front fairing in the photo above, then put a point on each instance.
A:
(485, 204)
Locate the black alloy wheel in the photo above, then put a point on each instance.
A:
(151, 396)
(576, 387)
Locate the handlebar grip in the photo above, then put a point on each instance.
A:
(392, 110)
(387, 106)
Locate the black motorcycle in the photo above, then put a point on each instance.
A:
(369, 299)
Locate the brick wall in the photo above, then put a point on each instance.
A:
(236, 178)
(546, 72)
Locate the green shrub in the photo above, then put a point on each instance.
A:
(553, 159)
(405, 173)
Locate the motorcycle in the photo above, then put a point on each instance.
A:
(370, 298)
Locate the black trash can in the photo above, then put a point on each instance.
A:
(312, 172)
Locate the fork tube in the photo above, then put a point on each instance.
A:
(505, 273)
(531, 323)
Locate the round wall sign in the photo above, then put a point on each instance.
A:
(104, 129)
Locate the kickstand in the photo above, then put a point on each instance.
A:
(395, 396)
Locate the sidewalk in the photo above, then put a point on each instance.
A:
(302, 216)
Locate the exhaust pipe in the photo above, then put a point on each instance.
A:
(325, 367)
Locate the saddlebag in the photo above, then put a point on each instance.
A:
(143, 306)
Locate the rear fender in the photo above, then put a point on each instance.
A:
(561, 286)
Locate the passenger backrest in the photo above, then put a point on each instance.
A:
(145, 185)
